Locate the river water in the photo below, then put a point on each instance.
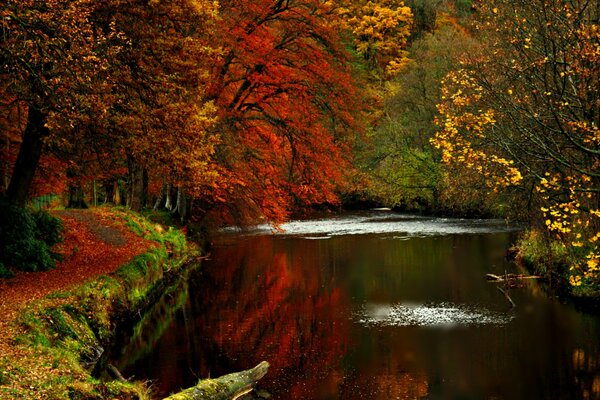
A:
(369, 305)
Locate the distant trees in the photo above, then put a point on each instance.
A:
(406, 170)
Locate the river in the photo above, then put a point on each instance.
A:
(369, 305)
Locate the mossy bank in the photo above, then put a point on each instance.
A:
(63, 335)
(550, 258)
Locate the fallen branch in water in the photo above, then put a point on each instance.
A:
(509, 277)
(116, 372)
(512, 303)
(226, 387)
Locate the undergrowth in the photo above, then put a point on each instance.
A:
(26, 239)
(544, 256)
(63, 334)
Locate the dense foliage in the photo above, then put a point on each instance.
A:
(26, 239)
(247, 110)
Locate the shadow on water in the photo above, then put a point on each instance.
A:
(381, 313)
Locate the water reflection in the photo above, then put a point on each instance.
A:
(359, 317)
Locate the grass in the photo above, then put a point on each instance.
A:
(62, 334)
(544, 256)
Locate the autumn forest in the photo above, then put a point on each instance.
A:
(238, 112)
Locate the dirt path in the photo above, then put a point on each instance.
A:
(96, 242)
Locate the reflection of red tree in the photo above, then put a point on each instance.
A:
(393, 385)
(280, 310)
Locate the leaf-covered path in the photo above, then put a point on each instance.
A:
(96, 242)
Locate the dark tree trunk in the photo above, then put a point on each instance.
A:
(76, 195)
(28, 157)
(138, 185)
(109, 191)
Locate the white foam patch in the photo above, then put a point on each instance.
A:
(429, 315)
(400, 226)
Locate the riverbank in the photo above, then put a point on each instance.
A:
(540, 255)
(54, 325)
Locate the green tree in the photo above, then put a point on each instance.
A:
(404, 166)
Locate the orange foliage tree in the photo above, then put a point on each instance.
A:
(141, 85)
(287, 106)
(380, 31)
(158, 117)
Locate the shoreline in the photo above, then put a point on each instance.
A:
(52, 343)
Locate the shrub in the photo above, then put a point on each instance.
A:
(49, 228)
(542, 255)
(26, 238)
(5, 272)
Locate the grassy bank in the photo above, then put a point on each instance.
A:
(60, 337)
(550, 258)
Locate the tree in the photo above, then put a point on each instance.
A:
(532, 102)
(405, 169)
(50, 54)
(380, 32)
(158, 120)
(287, 109)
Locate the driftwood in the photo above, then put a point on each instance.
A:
(510, 277)
(117, 374)
(512, 303)
(227, 387)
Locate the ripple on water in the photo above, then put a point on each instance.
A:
(429, 315)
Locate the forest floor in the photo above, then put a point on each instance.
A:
(96, 242)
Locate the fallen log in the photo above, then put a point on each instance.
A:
(509, 277)
(226, 387)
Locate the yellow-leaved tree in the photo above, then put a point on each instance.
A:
(526, 111)
(380, 31)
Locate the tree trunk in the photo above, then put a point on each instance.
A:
(76, 195)
(118, 195)
(138, 185)
(164, 198)
(227, 387)
(168, 201)
(28, 157)
(109, 187)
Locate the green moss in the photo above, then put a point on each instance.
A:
(542, 255)
(65, 329)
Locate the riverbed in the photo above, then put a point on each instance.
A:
(370, 305)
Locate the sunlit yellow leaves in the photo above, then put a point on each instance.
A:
(540, 81)
(380, 31)
(463, 126)
(573, 222)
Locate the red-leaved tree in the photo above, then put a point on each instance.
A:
(287, 105)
